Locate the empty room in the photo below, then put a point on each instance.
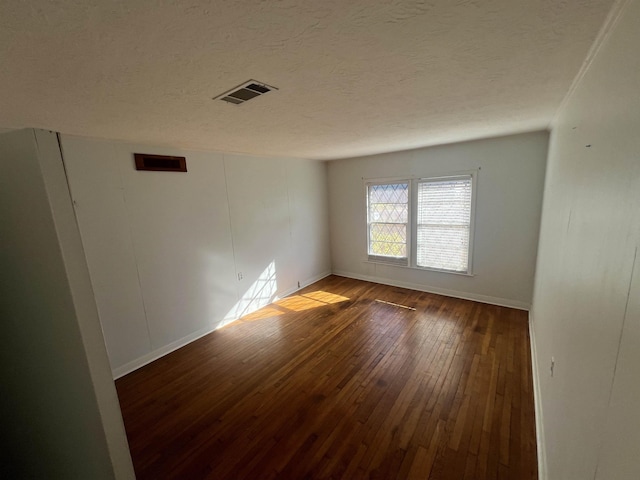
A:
(320, 240)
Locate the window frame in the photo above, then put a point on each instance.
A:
(412, 225)
(397, 261)
(434, 179)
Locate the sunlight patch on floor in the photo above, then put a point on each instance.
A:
(325, 297)
(266, 312)
(298, 303)
(295, 303)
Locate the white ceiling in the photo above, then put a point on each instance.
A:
(355, 76)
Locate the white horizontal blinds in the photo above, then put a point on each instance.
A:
(444, 223)
(388, 216)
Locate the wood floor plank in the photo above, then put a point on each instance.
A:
(331, 383)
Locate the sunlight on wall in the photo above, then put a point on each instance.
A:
(256, 303)
(261, 293)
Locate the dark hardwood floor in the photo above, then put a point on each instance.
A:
(332, 383)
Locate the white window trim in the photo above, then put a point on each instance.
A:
(413, 219)
(399, 261)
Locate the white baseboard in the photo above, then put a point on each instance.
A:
(308, 281)
(502, 302)
(540, 445)
(139, 362)
(166, 349)
(159, 352)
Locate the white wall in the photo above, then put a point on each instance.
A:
(586, 309)
(165, 249)
(509, 198)
(60, 413)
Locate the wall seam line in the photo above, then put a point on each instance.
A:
(233, 247)
(289, 217)
(615, 365)
(135, 260)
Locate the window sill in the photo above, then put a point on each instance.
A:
(390, 264)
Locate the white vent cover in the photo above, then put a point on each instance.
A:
(245, 92)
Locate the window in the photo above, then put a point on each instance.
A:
(444, 224)
(422, 223)
(388, 221)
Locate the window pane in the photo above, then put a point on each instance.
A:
(390, 193)
(444, 218)
(388, 213)
(388, 217)
(388, 240)
(443, 247)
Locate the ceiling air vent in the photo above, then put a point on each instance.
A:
(160, 163)
(245, 92)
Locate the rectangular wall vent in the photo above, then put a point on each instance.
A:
(160, 163)
(245, 92)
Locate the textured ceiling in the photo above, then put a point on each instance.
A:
(354, 76)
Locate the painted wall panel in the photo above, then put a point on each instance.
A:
(180, 229)
(309, 210)
(509, 198)
(585, 312)
(259, 209)
(619, 444)
(61, 417)
(101, 209)
(165, 249)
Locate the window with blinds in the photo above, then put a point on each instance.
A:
(387, 221)
(443, 224)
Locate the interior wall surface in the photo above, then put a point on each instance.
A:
(586, 309)
(510, 179)
(60, 412)
(175, 255)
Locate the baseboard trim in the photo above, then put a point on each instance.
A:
(502, 302)
(540, 445)
(160, 352)
(307, 282)
(173, 346)
(166, 349)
